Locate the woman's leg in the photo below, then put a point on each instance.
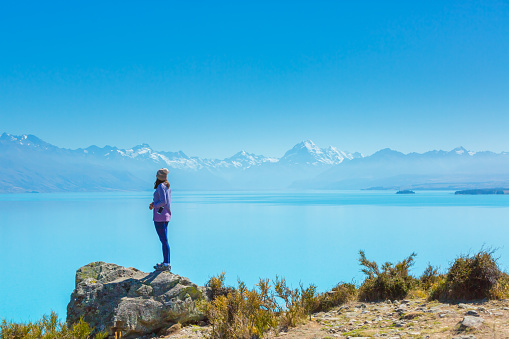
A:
(162, 229)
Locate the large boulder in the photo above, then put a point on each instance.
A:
(143, 303)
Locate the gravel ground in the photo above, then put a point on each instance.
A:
(414, 318)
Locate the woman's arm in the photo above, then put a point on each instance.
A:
(162, 197)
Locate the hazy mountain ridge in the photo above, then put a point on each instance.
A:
(31, 164)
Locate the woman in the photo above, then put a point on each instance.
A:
(162, 215)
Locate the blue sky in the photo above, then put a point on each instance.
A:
(211, 78)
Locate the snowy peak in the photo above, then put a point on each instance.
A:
(246, 160)
(27, 140)
(142, 150)
(307, 152)
(335, 154)
(356, 155)
(462, 151)
(308, 145)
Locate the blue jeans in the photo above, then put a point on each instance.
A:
(162, 232)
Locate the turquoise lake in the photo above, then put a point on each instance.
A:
(308, 237)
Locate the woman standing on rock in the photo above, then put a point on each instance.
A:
(162, 215)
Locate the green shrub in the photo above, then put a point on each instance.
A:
(216, 286)
(244, 313)
(473, 277)
(48, 328)
(295, 306)
(429, 278)
(392, 281)
(340, 294)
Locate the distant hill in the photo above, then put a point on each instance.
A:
(484, 191)
(28, 164)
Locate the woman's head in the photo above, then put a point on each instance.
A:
(162, 177)
(162, 174)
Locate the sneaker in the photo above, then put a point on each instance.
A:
(162, 267)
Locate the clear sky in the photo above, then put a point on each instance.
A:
(213, 77)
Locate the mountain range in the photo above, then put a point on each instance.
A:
(29, 164)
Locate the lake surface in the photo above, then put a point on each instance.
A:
(308, 237)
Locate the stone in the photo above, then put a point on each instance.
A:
(470, 322)
(144, 303)
(173, 329)
(472, 313)
(461, 305)
(411, 315)
(400, 309)
(471, 336)
(435, 309)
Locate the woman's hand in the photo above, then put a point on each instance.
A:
(151, 206)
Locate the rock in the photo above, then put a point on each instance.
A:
(471, 336)
(472, 313)
(435, 309)
(143, 303)
(173, 329)
(400, 309)
(461, 305)
(411, 315)
(399, 324)
(470, 322)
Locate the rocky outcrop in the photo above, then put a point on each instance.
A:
(143, 303)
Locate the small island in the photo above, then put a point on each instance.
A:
(405, 192)
(484, 191)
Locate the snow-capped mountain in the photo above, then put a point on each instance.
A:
(28, 163)
(462, 151)
(26, 140)
(244, 159)
(307, 153)
(178, 160)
